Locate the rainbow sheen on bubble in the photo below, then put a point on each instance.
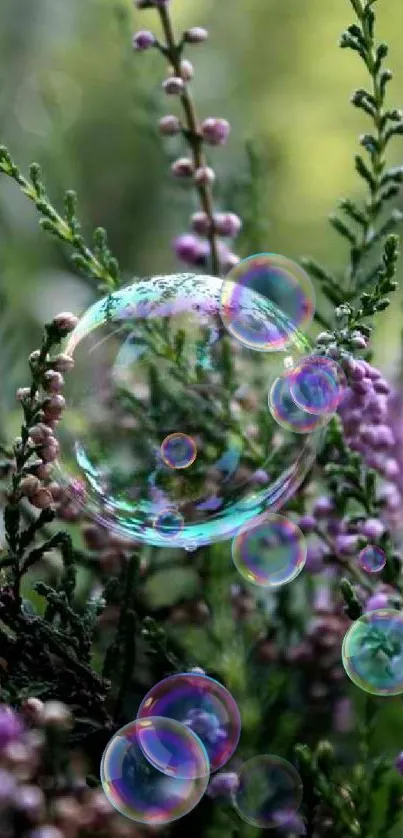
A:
(372, 652)
(269, 552)
(372, 559)
(150, 362)
(317, 385)
(286, 412)
(202, 704)
(269, 792)
(173, 748)
(251, 285)
(178, 450)
(169, 523)
(136, 788)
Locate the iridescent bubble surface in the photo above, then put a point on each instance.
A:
(255, 282)
(269, 552)
(136, 788)
(204, 705)
(372, 559)
(178, 450)
(372, 652)
(152, 360)
(286, 412)
(317, 385)
(269, 792)
(169, 523)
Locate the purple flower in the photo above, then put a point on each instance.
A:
(11, 726)
(174, 86)
(323, 507)
(191, 250)
(169, 125)
(372, 528)
(307, 524)
(222, 785)
(143, 40)
(399, 763)
(195, 35)
(343, 716)
(227, 224)
(215, 131)
(314, 558)
(347, 545)
(376, 601)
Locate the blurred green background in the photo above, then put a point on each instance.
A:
(74, 97)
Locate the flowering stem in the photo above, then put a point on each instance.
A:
(192, 133)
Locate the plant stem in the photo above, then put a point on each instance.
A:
(192, 134)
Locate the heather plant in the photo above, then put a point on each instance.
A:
(89, 620)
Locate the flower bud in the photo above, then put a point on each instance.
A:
(53, 381)
(57, 715)
(29, 485)
(65, 322)
(143, 40)
(34, 357)
(42, 499)
(174, 86)
(215, 131)
(187, 70)
(200, 223)
(23, 393)
(227, 224)
(183, 167)
(62, 363)
(205, 176)
(169, 125)
(195, 35)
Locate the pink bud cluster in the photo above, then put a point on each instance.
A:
(194, 248)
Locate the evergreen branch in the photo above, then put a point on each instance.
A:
(99, 263)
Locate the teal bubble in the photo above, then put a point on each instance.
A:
(153, 360)
(372, 652)
(270, 551)
(269, 792)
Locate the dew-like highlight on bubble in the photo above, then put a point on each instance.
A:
(286, 412)
(372, 559)
(372, 652)
(269, 792)
(141, 792)
(178, 450)
(202, 704)
(317, 385)
(150, 362)
(269, 552)
(258, 280)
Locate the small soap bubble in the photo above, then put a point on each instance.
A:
(372, 652)
(266, 282)
(269, 552)
(286, 412)
(269, 792)
(317, 385)
(178, 450)
(202, 704)
(372, 559)
(169, 523)
(141, 792)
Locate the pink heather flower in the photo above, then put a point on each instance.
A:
(376, 601)
(200, 223)
(187, 70)
(227, 224)
(174, 86)
(399, 763)
(65, 322)
(11, 727)
(182, 167)
(205, 176)
(215, 131)
(195, 35)
(191, 250)
(169, 125)
(143, 40)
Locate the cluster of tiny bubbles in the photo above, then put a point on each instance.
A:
(256, 281)
(269, 552)
(317, 385)
(372, 559)
(158, 791)
(178, 450)
(372, 652)
(169, 523)
(269, 792)
(153, 361)
(204, 706)
(286, 412)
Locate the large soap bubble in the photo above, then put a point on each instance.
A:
(152, 360)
